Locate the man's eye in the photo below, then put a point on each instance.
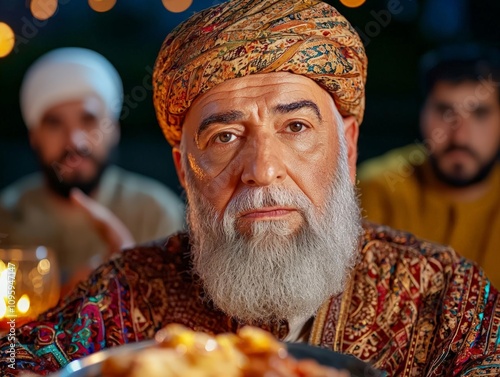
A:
(52, 123)
(224, 138)
(89, 120)
(296, 127)
(481, 113)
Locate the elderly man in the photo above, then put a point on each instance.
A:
(261, 101)
(71, 100)
(447, 190)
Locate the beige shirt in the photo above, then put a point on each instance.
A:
(30, 216)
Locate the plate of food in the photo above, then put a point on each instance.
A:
(179, 352)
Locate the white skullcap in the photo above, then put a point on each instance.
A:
(69, 74)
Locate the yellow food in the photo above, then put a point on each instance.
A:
(181, 352)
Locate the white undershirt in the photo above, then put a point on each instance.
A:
(295, 327)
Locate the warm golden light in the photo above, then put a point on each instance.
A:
(3, 283)
(43, 267)
(102, 5)
(3, 308)
(43, 9)
(29, 284)
(177, 6)
(23, 305)
(7, 41)
(352, 3)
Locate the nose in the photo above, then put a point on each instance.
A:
(263, 162)
(461, 128)
(78, 140)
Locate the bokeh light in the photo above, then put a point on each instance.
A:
(7, 39)
(43, 267)
(102, 5)
(23, 305)
(352, 3)
(43, 9)
(177, 6)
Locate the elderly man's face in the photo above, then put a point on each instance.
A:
(72, 145)
(275, 129)
(272, 211)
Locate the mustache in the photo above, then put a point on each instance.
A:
(461, 148)
(275, 196)
(78, 153)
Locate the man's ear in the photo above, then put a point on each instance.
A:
(32, 136)
(181, 174)
(351, 133)
(116, 134)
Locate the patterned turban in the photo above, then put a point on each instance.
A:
(243, 37)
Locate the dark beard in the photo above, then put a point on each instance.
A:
(54, 176)
(458, 182)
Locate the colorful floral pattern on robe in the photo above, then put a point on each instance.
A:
(412, 308)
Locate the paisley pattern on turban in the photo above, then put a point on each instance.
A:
(243, 37)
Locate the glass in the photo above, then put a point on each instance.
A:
(29, 285)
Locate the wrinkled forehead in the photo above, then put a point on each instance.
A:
(278, 87)
(467, 94)
(266, 95)
(88, 105)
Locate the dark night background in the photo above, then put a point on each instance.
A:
(131, 33)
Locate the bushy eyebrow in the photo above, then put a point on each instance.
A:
(236, 115)
(219, 118)
(442, 106)
(294, 106)
(482, 108)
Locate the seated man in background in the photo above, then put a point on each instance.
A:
(261, 101)
(448, 189)
(71, 99)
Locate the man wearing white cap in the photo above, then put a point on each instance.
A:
(71, 99)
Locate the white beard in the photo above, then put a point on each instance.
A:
(273, 273)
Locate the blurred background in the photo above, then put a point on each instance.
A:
(130, 32)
